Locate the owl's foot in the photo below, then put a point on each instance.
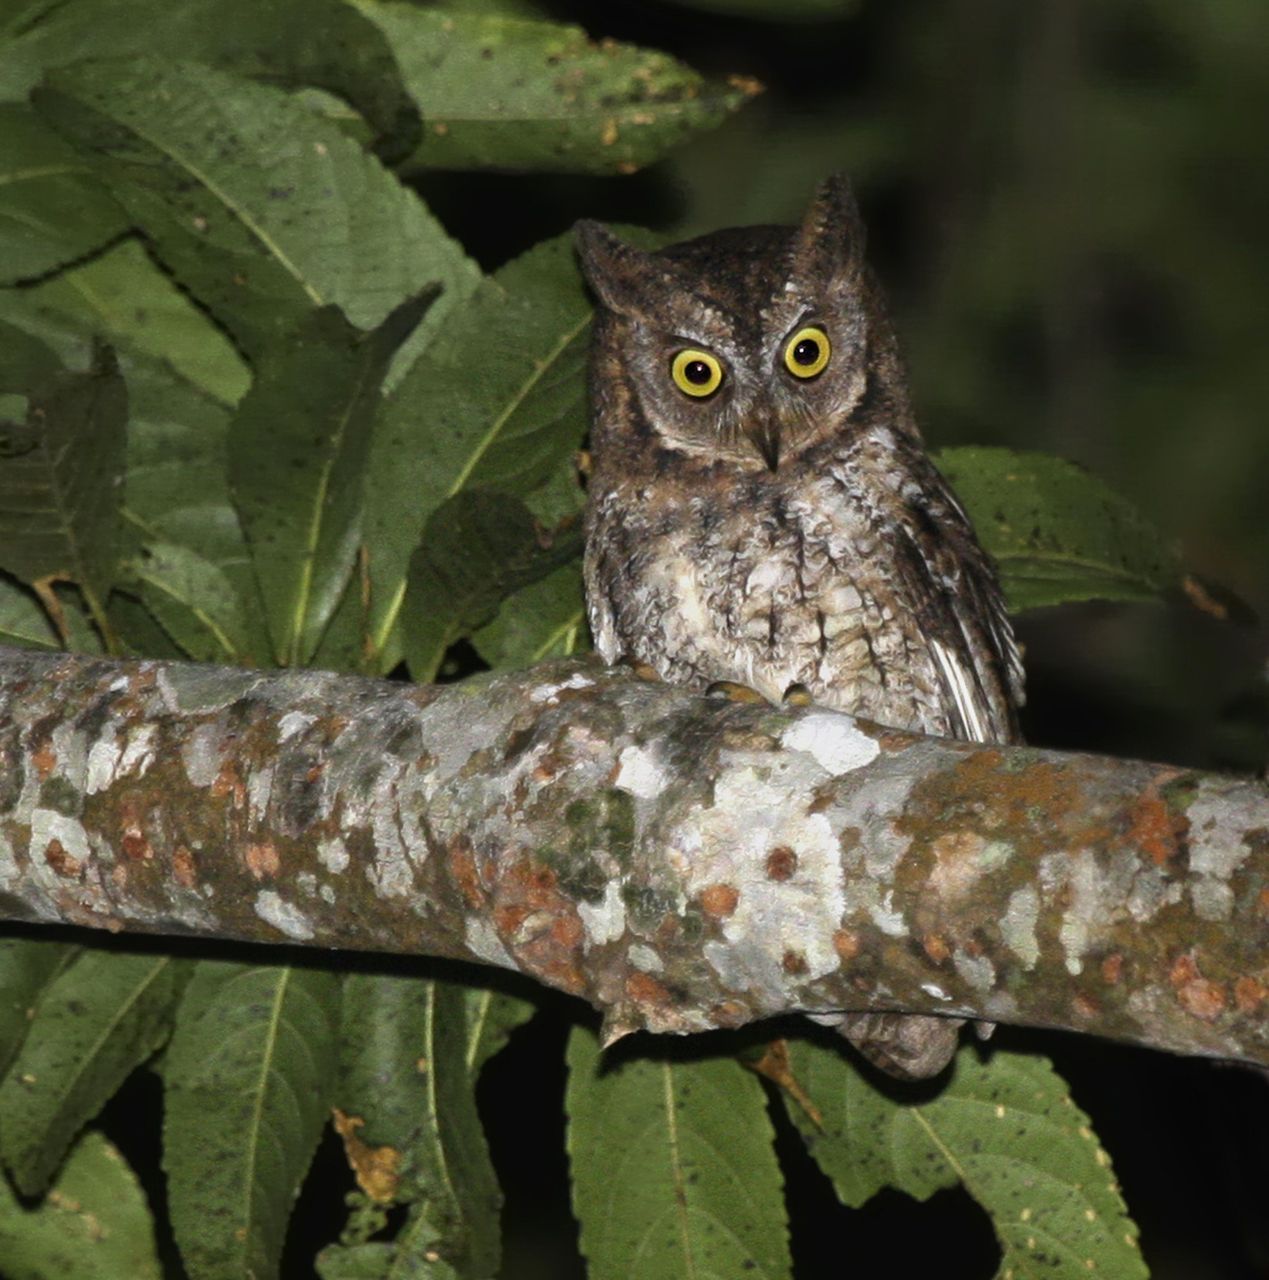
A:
(642, 669)
(797, 695)
(730, 691)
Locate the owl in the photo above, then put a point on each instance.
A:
(762, 511)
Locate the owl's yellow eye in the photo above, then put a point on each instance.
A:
(807, 352)
(696, 373)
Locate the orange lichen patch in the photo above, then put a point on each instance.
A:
(794, 964)
(957, 862)
(229, 783)
(782, 862)
(1249, 994)
(645, 990)
(44, 759)
(540, 923)
(462, 868)
(136, 847)
(1196, 994)
(66, 865)
(935, 946)
(1155, 828)
(375, 1168)
(1085, 1005)
(184, 871)
(729, 1013)
(719, 900)
(262, 860)
(846, 944)
(1112, 966)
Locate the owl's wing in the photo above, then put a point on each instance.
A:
(963, 615)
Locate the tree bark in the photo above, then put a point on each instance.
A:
(681, 863)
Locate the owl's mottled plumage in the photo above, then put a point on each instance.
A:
(783, 530)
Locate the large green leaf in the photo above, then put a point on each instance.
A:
(501, 92)
(249, 1077)
(674, 1175)
(52, 207)
(93, 1225)
(1057, 532)
(60, 478)
(27, 967)
(478, 549)
(406, 1075)
(497, 401)
(546, 619)
(298, 447)
(1006, 1129)
(23, 621)
(102, 1016)
(133, 303)
(261, 209)
(295, 42)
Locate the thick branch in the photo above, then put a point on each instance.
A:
(680, 863)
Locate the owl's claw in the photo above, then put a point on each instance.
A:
(797, 695)
(642, 669)
(730, 691)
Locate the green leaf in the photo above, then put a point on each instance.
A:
(1006, 1129)
(504, 93)
(379, 1260)
(27, 967)
(546, 619)
(94, 1225)
(406, 1074)
(477, 549)
(498, 400)
(137, 307)
(249, 1077)
(23, 620)
(1057, 532)
(52, 207)
(298, 447)
(261, 209)
(673, 1169)
(491, 1018)
(25, 362)
(102, 1016)
(194, 601)
(60, 477)
(295, 42)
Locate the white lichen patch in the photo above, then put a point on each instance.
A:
(604, 921)
(201, 754)
(306, 883)
(549, 692)
(976, 971)
(108, 761)
(483, 942)
(645, 959)
(260, 790)
(640, 772)
(933, 989)
(333, 855)
(1217, 851)
(103, 760)
(292, 723)
(1017, 926)
(835, 742)
(48, 825)
(284, 916)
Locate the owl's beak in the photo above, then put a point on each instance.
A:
(764, 435)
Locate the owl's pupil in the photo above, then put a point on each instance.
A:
(697, 372)
(807, 351)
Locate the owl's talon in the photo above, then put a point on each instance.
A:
(797, 695)
(731, 691)
(642, 669)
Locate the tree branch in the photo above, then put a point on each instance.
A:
(680, 863)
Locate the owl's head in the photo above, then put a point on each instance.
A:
(750, 345)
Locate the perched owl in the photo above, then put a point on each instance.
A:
(762, 510)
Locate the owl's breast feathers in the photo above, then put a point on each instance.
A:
(854, 573)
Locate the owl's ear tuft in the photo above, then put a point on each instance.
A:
(830, 242)
(615, 270)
